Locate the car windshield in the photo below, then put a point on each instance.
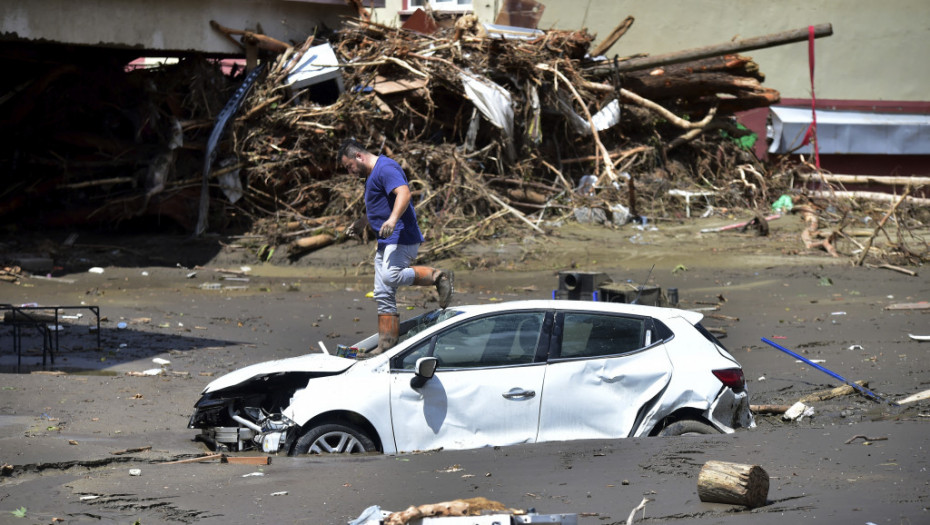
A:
(423, 322)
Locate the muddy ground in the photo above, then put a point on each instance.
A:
(59, 433)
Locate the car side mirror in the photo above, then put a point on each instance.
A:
(424, 370)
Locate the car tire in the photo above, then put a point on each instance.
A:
(688, 427)
(333, 438)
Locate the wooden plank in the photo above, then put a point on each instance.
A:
(247, 460)
(922, 305)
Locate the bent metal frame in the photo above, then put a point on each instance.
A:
(45, 319)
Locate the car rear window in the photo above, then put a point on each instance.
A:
(709, 336)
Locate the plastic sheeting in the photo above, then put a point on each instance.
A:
(850, 132)
(608, 116)
(492, 101)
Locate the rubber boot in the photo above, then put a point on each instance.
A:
(442, 279)
(388, 331)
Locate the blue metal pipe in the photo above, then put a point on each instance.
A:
(865, 391)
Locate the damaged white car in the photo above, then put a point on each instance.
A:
(486, 375)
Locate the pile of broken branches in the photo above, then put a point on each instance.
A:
(494, 134)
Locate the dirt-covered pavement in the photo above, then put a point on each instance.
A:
(59, 433)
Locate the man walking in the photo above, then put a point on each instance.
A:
(391, 214)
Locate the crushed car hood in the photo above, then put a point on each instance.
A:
(320, 363)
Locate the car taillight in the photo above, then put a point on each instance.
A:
(731, 377)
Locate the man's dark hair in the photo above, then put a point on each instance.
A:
(350, 147)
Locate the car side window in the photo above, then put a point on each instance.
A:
(593, 335)
(409, 359)
(497, 340)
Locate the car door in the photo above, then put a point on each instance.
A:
(485, 391)
(602, 369)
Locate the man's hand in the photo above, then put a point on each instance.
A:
(387, 228)
(359, 229)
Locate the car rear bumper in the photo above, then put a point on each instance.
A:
(731, 411)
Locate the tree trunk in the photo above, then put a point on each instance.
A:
(761, 42)
(723, 482)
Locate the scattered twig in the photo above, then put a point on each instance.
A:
(864, 437)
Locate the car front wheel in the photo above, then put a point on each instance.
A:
(333, 438)
(688, 427)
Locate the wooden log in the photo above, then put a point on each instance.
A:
(831, 393)
(760, 42)
(769, 409)
(868, 195)
(920, 396)
(866, 179)
(527, 195)
(734, 483)
(314, 242)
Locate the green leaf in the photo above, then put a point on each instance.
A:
(20, 512)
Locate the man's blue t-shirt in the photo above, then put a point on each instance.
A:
(386, 176)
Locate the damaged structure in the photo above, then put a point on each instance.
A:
(496, 125)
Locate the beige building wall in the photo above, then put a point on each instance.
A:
(877, 52)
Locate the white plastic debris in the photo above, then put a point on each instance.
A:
(373, 515)
(153, 372)
(855, 347)
(797, 412)
(89, 498)
(160, 361)
(135, 472)
(95, 269)
(121, 325)
(253, 475)
(281, 493)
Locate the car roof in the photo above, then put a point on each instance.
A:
(587, 306)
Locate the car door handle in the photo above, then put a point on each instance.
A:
(519, 394)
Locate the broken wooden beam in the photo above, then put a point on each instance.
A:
(865, 179)
(868, 195)
(247, 460)
(760, 42)
(734, 483)
(768, 409)
(830, 393)
(612, 38)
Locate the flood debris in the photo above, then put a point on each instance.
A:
(858, 387)
(866, 439)
(223, 458)
(920, 396)
(797, 412)
(495, 125)
(733, 483)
